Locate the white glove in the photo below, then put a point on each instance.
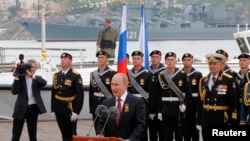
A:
(198, 127)
(73, 117)
(182, 108)
(159, 116)
(53, 114)
(151, 116)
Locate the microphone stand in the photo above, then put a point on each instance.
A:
(92, 125)
(105, 122)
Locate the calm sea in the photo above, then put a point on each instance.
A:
(33, 49)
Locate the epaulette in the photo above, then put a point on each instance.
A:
(75, 71)
(205, 78)
(56, 73)
(232, 70)
(227, 75)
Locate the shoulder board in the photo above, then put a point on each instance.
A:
(75, 71)
(57, 72)
(232, 70)
(204, 78)
(227, 75)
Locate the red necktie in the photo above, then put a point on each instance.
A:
(119, 107)
(214, 79)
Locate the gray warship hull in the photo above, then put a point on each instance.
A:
(60, 32)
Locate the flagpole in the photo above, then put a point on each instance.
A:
(143, 37)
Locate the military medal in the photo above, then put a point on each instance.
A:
(193, 81)
(142, 81)
(180, 83)
(107, 81)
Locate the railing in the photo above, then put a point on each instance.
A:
(9, 57)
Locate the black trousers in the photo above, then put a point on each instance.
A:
(190, 131)
(155, 129)
(66, 126)
(31, 119)
(172, 127)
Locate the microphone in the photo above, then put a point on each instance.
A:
(113, 113)
(102, 112)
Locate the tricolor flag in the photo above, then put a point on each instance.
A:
(122, 60)
(143, 38)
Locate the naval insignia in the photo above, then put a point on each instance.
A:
(180, 82)
(193, 81)
(142, 81)
(80, 81)
(234, 85)
(107, 81)
(153, 79)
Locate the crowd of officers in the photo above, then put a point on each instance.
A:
(181, 102)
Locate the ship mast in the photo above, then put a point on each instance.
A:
(43, 29)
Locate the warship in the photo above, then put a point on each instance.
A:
(207, 22)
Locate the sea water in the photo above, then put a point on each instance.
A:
(199, 48)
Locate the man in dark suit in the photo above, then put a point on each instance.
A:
(131, 121)
(29, 103)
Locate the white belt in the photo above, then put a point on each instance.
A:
(137, 95)
(195, 94)
(170, 99)
(99, 94)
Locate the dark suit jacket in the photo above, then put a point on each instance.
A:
(132, 120)
(19, 87)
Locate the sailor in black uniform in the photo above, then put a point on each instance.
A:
(175, 94)
(67, 97)
(100, 84)
(194, 76)
(140, 84)
(155, 124)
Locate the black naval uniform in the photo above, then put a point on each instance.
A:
(217, 106)
(190, 131)
(238, 78)
(155, 125)
(173, 118)
(144, 79)
(96, 96)
(67, 97)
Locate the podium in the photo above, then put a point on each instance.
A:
(89, 138)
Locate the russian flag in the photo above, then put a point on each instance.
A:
(122, 60)
(143, 38)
